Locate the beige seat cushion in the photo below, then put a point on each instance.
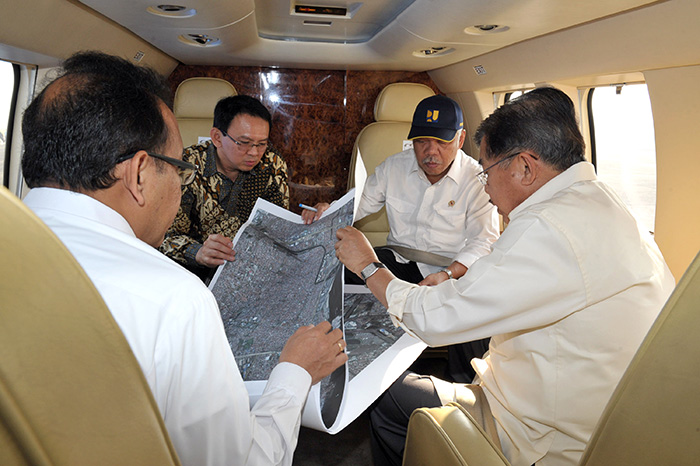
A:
(71, 390)
(195, 99)
(393, 112)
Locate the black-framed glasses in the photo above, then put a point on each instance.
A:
(484, 177)
(247, 145)
(185, 170)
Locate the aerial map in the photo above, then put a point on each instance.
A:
(286, 275)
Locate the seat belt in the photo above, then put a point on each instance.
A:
(416, 255)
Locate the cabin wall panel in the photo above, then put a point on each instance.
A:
(662, 35)
(475, 106)
(44, 32)
(675, 102)
(316, 116)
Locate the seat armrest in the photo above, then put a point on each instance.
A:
(449, 436)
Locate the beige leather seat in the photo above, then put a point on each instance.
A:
(393, 112)
(71, 390)
(195, 99)
(653, 417)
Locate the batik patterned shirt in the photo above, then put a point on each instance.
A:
(213, 204)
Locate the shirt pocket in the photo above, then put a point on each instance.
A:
(399, 210)
(448, 225)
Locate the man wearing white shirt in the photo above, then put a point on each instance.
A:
(440, 218)
(433, 200)
(568, 292)
(103, 155)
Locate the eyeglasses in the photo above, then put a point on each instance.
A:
(484, 177)
(185, 170)
(246, 146)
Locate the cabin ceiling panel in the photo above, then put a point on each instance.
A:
(374, 34)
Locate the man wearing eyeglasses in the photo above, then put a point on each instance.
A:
(102, 156)
(567, 294)
(236, 167)
(440, 218)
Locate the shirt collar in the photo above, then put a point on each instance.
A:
(582, 171)
(78, 205)
(455, 173)
(210, 160)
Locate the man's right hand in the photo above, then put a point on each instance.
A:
(309, 216)
(354, 250)
(216, 250)
(317, 349)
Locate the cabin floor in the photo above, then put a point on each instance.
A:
(349, 447)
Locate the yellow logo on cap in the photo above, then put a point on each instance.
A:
(432, 116)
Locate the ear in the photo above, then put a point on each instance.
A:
(529, 168)
(135, 174)
(216, 137)
(462, 137)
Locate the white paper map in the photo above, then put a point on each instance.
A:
(286, 275)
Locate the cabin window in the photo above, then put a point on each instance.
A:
(8, 87)
(513, 95)
(623, 146)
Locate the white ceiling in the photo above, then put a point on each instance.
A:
(380, 35)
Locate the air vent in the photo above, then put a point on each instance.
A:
(172, 11)
(483, 29)
(308, 22)
(433, 52)
(199, 40)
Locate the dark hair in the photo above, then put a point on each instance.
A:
(542, 121)
(229, 107)
(99, 108)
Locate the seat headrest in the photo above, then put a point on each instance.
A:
(197, 97)
(398, 101)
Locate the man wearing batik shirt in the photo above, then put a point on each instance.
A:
(235, 168)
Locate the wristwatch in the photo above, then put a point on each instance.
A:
(448, 272)
(371, 269)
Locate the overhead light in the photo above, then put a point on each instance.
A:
(433, 52)
(171, 11)
(199, 40)
(482, 29)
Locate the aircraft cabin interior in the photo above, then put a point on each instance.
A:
(341, 77)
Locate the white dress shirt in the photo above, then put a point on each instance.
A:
(452, 218)
(568, 293)
(172, 323)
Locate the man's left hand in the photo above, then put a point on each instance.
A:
(354, 250)
(434, 279)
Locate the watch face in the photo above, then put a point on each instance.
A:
(370, 269)
(367, 271)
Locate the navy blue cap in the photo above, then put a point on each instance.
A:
(436, 117)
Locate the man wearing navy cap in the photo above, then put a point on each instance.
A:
(433, 200)
(440, 217)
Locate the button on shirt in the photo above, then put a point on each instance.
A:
(568, 293)
(452, 218)
(172, 323)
